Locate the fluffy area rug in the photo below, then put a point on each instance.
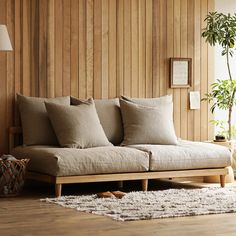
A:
(155, 204)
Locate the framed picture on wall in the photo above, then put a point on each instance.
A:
(180, 72)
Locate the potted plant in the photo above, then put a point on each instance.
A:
(222, 131)
(221, 29)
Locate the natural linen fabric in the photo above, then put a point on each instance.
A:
(57, 161)
(186, 155)
(109, 115)
(150, 102)
(77, 126)
(36, 126)
(148, 125)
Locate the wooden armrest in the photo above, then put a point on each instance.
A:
(13, 132)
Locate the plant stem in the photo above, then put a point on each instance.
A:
(229, 122)
(230, 114)
(228, 66)
(231, 102)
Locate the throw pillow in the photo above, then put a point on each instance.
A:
(148, 125)
(109, 115)
(77, 126)
(36, 126)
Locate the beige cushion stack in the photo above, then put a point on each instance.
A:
(109, 114)
(77, 126)
(148, 121)
(85, 130)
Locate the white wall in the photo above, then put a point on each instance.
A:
(224, 6)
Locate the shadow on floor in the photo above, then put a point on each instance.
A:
(34, 189)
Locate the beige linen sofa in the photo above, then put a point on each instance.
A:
(53, 164)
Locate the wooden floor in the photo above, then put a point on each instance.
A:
(26, 215)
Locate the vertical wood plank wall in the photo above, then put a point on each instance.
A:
(104, 48)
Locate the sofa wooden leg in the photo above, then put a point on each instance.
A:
(222, 181)
(144, 184)
(120, 184)
(58, 190)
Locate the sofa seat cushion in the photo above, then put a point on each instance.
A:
(58, 161)
(186, 155)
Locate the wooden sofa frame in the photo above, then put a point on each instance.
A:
(14, 133)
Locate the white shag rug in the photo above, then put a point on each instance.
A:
(155, 204)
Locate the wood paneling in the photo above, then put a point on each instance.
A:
(3, 82)
(105, 48)
(190, 52)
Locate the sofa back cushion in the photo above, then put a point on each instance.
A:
(148, 125)
(36, 126)
(110, 117)
(150, 102)
(77, 126)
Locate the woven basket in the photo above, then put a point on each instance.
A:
(12, 176)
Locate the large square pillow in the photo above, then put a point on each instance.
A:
(36, 126)
(77, 126)
(148, 125)
(109, 115)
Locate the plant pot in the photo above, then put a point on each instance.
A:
(220, 138)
